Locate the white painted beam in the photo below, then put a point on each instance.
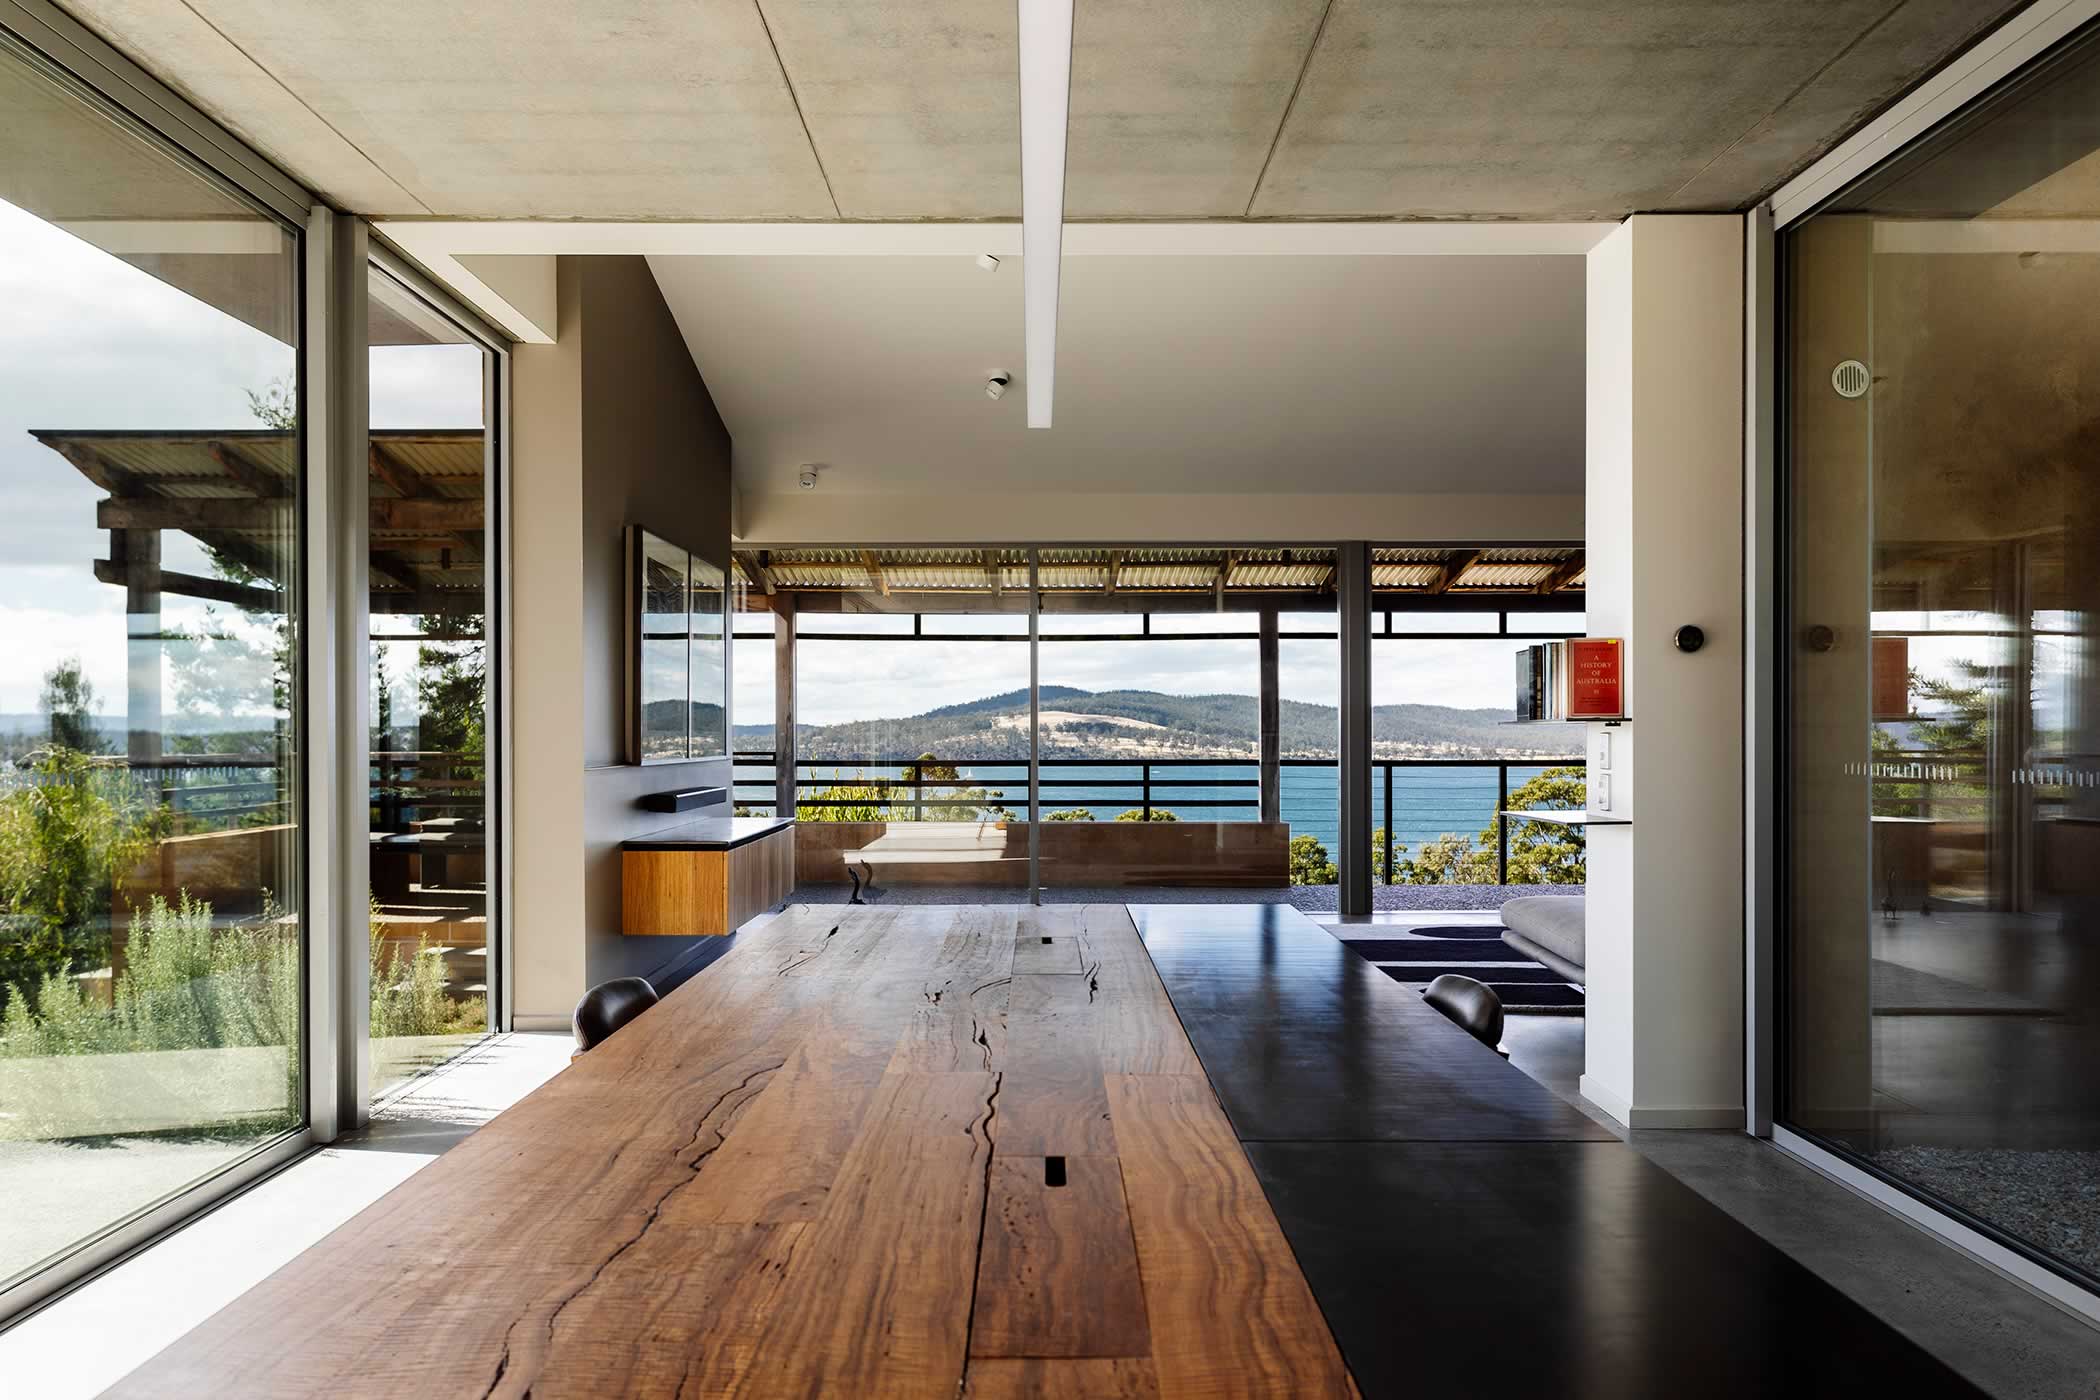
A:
(1046, 99)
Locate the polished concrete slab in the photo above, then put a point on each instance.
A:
(1462, 1238)
(1571, 1269)
(1304, 1040)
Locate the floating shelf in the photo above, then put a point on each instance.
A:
(1558, 817)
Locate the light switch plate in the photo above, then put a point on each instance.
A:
(1600, 750)
(1600, 793)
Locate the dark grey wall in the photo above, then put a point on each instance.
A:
(656, 454)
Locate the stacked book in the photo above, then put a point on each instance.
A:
(1581, 678)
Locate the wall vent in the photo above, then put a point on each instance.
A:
(1850, 379)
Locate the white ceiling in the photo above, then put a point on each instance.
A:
(1327, 374)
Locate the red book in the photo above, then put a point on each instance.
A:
(1596, 678)
(1891, 677)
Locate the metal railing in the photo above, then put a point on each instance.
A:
(899, 789)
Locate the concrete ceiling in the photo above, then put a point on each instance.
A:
(1339, 374)
(808, 109)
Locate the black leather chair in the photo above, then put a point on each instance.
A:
(1472, 1006)
(608, 1006)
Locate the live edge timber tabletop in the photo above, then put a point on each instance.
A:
(917, 1152)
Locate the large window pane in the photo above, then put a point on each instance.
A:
(1937, 970)
(1447, 757)
(151, 945)
(430, 836)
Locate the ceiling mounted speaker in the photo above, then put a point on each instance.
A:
(1850, 379)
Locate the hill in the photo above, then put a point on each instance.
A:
(1151, 724)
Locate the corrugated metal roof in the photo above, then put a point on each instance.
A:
(1156, 569)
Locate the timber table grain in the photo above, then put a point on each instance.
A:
(917, 1152)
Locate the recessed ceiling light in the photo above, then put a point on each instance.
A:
(987, 262)
(1046, 97)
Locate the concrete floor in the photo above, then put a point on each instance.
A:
(90, 1338)
(1997, 1334)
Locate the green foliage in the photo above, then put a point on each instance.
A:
(70, 706)
(891, 799)
(1309, 862)
(185, 986)
(63, 836)
(276, 405)
(1539, 854)
(408, 992)
(1070, 814)
(1954, 732)
(1139, 814)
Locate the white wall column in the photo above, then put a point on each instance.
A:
(1664, 535)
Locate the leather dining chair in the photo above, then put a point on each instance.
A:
(608, 1006)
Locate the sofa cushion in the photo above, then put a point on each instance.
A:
(1553, 922)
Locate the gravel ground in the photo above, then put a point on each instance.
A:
(2048, 1196)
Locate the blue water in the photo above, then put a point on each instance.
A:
(1427, 802)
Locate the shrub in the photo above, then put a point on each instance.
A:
(1309, 862)
(64, 836)
(1070, 814)
(1138, 814)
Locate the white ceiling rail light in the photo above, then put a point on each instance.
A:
(1046, 99)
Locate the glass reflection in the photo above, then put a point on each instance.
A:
(1944, 744)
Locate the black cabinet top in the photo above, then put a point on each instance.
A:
(710, 834)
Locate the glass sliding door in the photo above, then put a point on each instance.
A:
(1940, 989)
(152, 946)
(432, 827)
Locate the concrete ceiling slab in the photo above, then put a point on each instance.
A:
(1574, 109)
(542, 109)
(176, 45)
(1176, 105)
(1911, 40)
(1331, 374)
(1181, 109)
(913, 107)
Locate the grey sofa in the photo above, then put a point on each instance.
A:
(1549, 929)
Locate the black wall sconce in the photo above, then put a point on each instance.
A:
(1689, 638)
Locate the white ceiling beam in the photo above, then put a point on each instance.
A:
(446, 249)
(1046, 100)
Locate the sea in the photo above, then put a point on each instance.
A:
(1427, 802)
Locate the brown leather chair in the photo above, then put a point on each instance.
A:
(608, 1006)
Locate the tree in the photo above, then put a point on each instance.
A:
(275, 405)
(1539, 853)
(1309, 862)
(63, 836)
(70, 706)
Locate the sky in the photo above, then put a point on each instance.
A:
(850, 680)
(88, 341)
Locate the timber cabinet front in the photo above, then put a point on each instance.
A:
(709, 878)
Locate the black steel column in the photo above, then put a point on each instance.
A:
(784, 757)
(1353, 583)
(1269, 725)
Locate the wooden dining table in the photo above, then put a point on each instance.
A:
(918, 1152)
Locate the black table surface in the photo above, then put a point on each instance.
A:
(1468, 1233)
